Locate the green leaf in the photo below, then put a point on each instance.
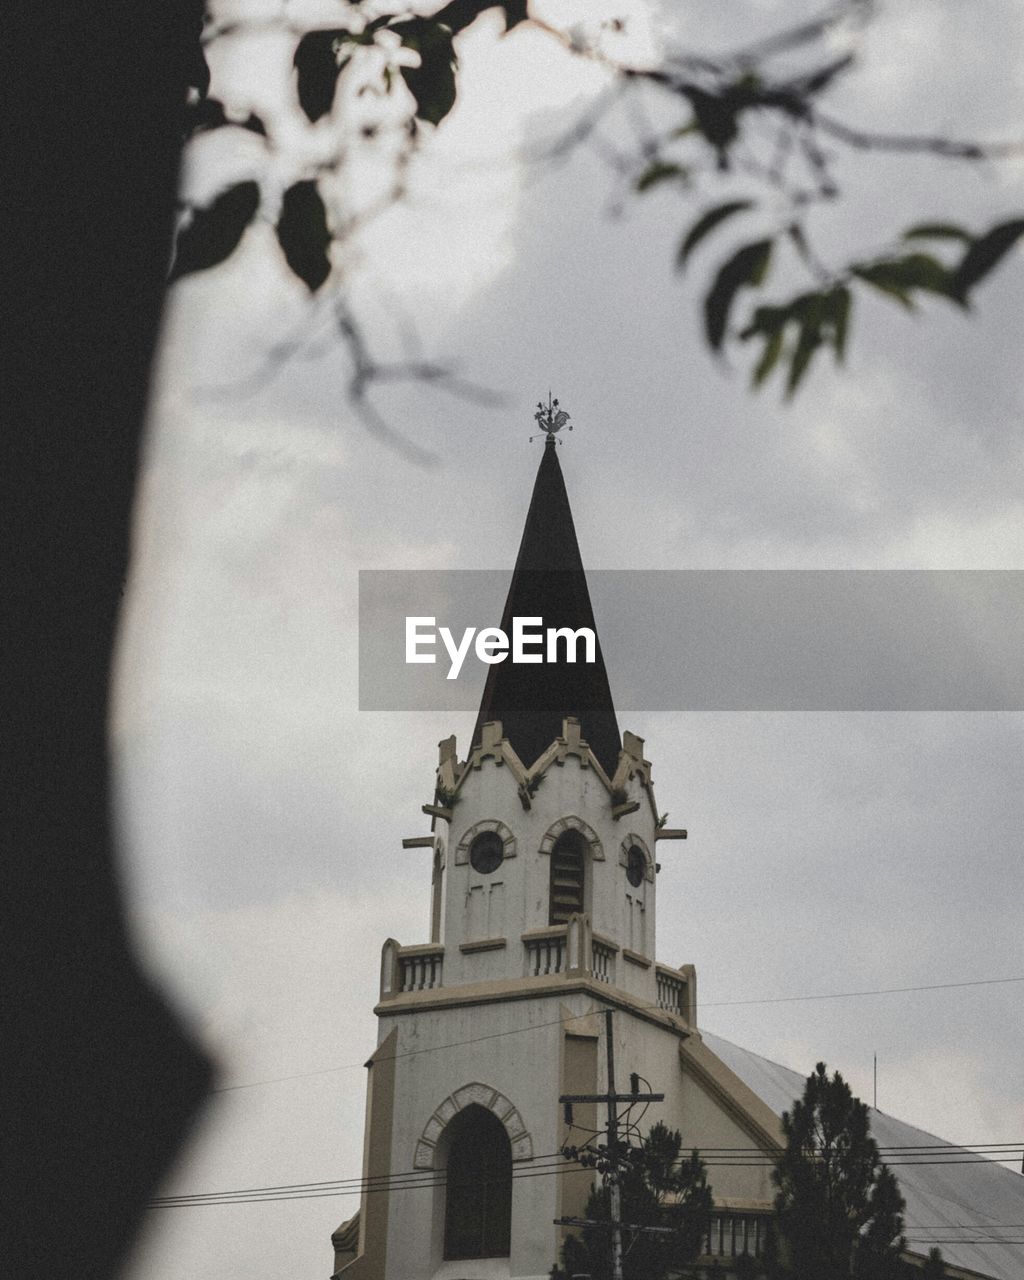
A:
(985, 252)
(715, 117)
(821, 318)
(432, 83)
(937, 231)
(837, 314)
(303, 235)
(659, 171)
(808, 342)
(705, 224)
(766, 320)
(922, 271)
(878, 275)
(748, 266)
(214, 232)
(898, 277)
(316, 64)
(769, 356)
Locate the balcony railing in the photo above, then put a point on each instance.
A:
(733, 1234)
(572, 949)
(420, 971)
(546, 953)
(405, 969)
(676, 991)
(671, 989)
(602, 963)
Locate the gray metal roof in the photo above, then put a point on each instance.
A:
(974, 1202)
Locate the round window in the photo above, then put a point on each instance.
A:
(487, 852)
(636, 866)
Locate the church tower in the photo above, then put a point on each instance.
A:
(544, 842)
(541, 966)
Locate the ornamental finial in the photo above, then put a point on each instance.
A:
(550, 419)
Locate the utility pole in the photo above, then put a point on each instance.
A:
(615, 1189)
(611, 1099)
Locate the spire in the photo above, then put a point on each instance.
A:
(531, 700)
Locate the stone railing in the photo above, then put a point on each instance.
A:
(733, 1233)
(677, 991)
(405, 969)
(420, 968)
(571, 949)
(602, 962)
(546, 951)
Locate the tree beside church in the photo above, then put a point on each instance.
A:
(838, 1209)
(665, 1206)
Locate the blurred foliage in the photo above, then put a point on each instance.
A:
(742, 120)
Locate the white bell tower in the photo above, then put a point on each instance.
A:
(544, 847)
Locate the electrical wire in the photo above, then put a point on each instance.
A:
(738, 1157)
(540, 1166)
(647, 1008)
(712, 1156)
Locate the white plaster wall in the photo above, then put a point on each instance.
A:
(473, 910)
(637, 981)
(524, 1067)
(514, 1048)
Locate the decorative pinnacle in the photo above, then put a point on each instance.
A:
(550, 419)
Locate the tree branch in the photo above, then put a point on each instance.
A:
(948, 148)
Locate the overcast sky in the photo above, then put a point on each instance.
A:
(828, 853)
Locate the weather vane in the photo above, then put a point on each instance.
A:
(550, 419)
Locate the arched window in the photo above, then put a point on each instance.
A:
(478, 1193)
(568, 864)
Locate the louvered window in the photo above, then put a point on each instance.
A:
(568, 865)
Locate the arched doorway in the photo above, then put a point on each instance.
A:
(478, 1187)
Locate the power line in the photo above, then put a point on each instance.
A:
(968, 1226)
(553, 1158)
(538, 1026)
(964, 1240)
(434, 1178)
(716, 1155)
(541, 1166)
(846, 995)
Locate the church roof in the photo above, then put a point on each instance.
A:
(532, 700)
(948, 1204)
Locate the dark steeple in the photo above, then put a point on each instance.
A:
(531, 700)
